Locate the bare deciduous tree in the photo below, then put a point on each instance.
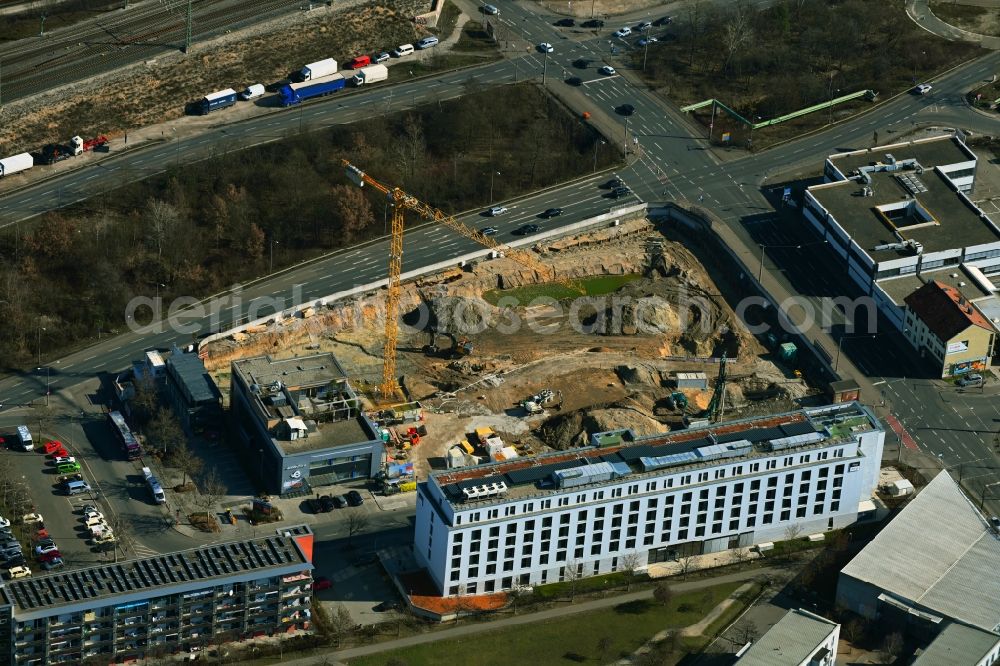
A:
(184, 459)
(164, 432)
(793, 531)
(212, 489)
(892, 647)
(686, 565)
(745, 631)
(739, 555)
(572, 576)
(356, 523)
(342, 625)
(663, 593)
(628, 564)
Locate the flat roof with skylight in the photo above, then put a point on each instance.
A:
(937, 151)
(904, 204)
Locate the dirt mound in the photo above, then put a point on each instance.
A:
(564, 431)
(617, 418)
(631, 374)
(574, 429)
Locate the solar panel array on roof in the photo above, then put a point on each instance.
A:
(204, 563)
(520, 477)
(658, 462)
(797, 428)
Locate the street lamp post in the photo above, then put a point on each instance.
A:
(626, 138)
(596, 144)
(39, 341)
(47, 391)
(840, 345)
(493, 174)
(270, 263)
(982, 497)
(545, 65)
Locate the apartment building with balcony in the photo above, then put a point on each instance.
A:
(728, 485)
(157, 606)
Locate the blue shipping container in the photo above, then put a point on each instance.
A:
(217, 100)
(298, 92)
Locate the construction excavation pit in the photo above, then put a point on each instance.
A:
(632, 334)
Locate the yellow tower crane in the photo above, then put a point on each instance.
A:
(401, 202)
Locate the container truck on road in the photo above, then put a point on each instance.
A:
(217, 100)
(316, 70)
(370, 74)
(57, 152)
(299, 92)
(15, 163)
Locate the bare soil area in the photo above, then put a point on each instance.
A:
(608, 362)
(972, 18)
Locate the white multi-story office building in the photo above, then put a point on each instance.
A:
(734, 484)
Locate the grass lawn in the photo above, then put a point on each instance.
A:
(595, 286)
(576, 638)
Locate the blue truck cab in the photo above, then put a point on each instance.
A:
(294, 93)
(217, 100)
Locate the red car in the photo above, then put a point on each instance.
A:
(322, 583)
(359, 62)
(48, 557)
(53, 446)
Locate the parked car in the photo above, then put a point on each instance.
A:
(106, 537)
(93, 516)
(89, 508)
(970, 380)
(4, 522)
(43, 548)
(626, 109)
(381, 57)
(63, 460)
(322, 583)
(545, 47)
(328, 503)
(315, 506)
(593, 23)
(566, 23)
(643, 41)
(496, 210)
(15, 561)
(49, 556)
(552, 212)
(386, 606)
(54, 563)
(30, 518)
(607, 70)
(354, 498)
(491, 10)
(18, 572)
(663, 20)
(340, 501)
(643, 26)
(623, 32)
(53, 446)
(581, 63)
(68, 468)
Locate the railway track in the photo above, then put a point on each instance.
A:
(113, 41)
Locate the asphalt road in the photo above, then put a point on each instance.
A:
(144, 31)
(671, 164)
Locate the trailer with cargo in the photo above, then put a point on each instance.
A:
(217, 100)
(316, 70)
(15, 163)
(371, 74)
(294, 93)
(57, 152)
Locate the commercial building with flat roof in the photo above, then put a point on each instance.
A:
(900, 217)
(799, 638)
(727, 485)
(303, 420)
(935, 561)
(192, 391)
(161, 605)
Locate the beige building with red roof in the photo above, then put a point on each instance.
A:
(948, 329)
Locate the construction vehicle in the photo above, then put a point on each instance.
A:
(401, 202)
(459, 347)
(717, 405)
(536, 403)
(677, 400)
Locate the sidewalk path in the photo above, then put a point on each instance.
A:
(526, 618)
(921, 14)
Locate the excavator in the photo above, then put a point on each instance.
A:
(459, 346)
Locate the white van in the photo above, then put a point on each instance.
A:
(24, 438)
(427, 42)
(403, 50)
(252, 92)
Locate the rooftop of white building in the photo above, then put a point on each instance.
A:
(931, 152)
(939, 553)
(958, 645)
(793, 640)
(727, 442)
